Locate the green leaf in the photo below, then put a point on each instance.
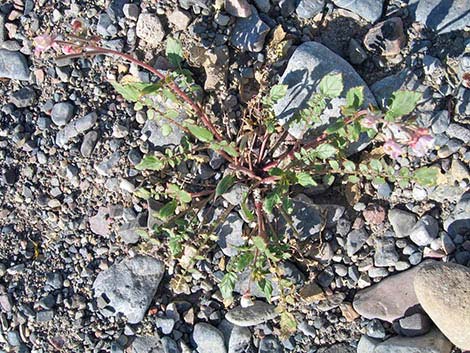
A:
(248, 215)
(355, 97)
(305, 179)
(271, 201)
(331, 85)
(325, 151)
(333, 164)
(375, 165)
(176, 192)
(379, 180)
(224, 184)
(168, 210)
(227, 285)
(403, 103)
(150, 162)
(200, 133)
(171, 114)
(133, 91)
(354, 179)
(142, 193)
(349, 166)
(174, 51)
(277, 92)
(426, 176)
(336, 126)
(260, 244)
(244, 260)
(328, 179)
(266, 287)
(166, 129)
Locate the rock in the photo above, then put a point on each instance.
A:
(23, 98)
(386, 38)
(367, 344)
(216, 67)
(414, 325)
(425, 231)
(253, 315)
(105, 26)
(270, 344)
(385, 252)
(389, 299)
(356, 240)
(208, 339)
(310, 62)
(374, 214)
(88, 144)
(13, 65)
(235, 194)
(433, 342)
(75, 128)
(147, 344)
(357, 55)
(179, 19)
(230, 234)
(458, 131)
(130, 233)
(249, 33)
(263, 5)
(309, 8)
(129, 286)
(238, 8)
(459, 221)
(370, 10)
(337, 348)
(62, 113)
(150, 29)
(288, 7)
(402, 222)
(442, 16)
(240, 340)
(131, 11)
(443, 292)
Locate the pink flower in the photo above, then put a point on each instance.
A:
(69, 49)
(43, 43)
(393, 149)
(421, 141)
(369, 121)
(77, 26)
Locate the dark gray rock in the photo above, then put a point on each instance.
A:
(249, 34)
(442, 16)
(23, 98)
(308, 65)
(129, 286)
(88, 144)
(356, 240)
(367, 344)
(459, 221)
(75, 128)
(357, 54)
(270, 344)
(13, 65)
(414, 325)
(147, 344)
(385, 252)
(309, 8)
(337, 348)
(370, 10)
(463, 102)
(230, 234)
(402, 222)
(240, 340)
(62, 113)
(130, 233)
(208, 338)
(433, 342)
(425, 231)
(253, 315)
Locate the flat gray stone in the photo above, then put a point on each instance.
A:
(425, 231)
(230, 234)
(249, 33)
(385, 252)
(356, 240)
(459, 221)
(129, 286)
(402, 222)
(240, 340)
(13, 65)
(75, 128)
(150, 29)
(311, 62)
(147, 344)
(370, 10)
(442, 16)
(389, 299)
(367, 344)
(253, 315)
(309, 8)
(208, 338)
(24, 97)
(62, 112)
(433, 342)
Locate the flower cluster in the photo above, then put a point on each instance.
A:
(398, 136)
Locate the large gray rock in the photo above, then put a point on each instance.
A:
(62, 112)
(13, 65)
(208, 338)
(443, 290)
(385, 252)
(441, 15)
(356, 240)
(309, 8)
(253, 315)
(425, 231)
(150, 29)
(370, 10)
(230, 234)
(75, 128)
(402, 222)
(240, 340)
(249, 33)
(433, 342)
(389, 299)
(308, 65)
(129, 286)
